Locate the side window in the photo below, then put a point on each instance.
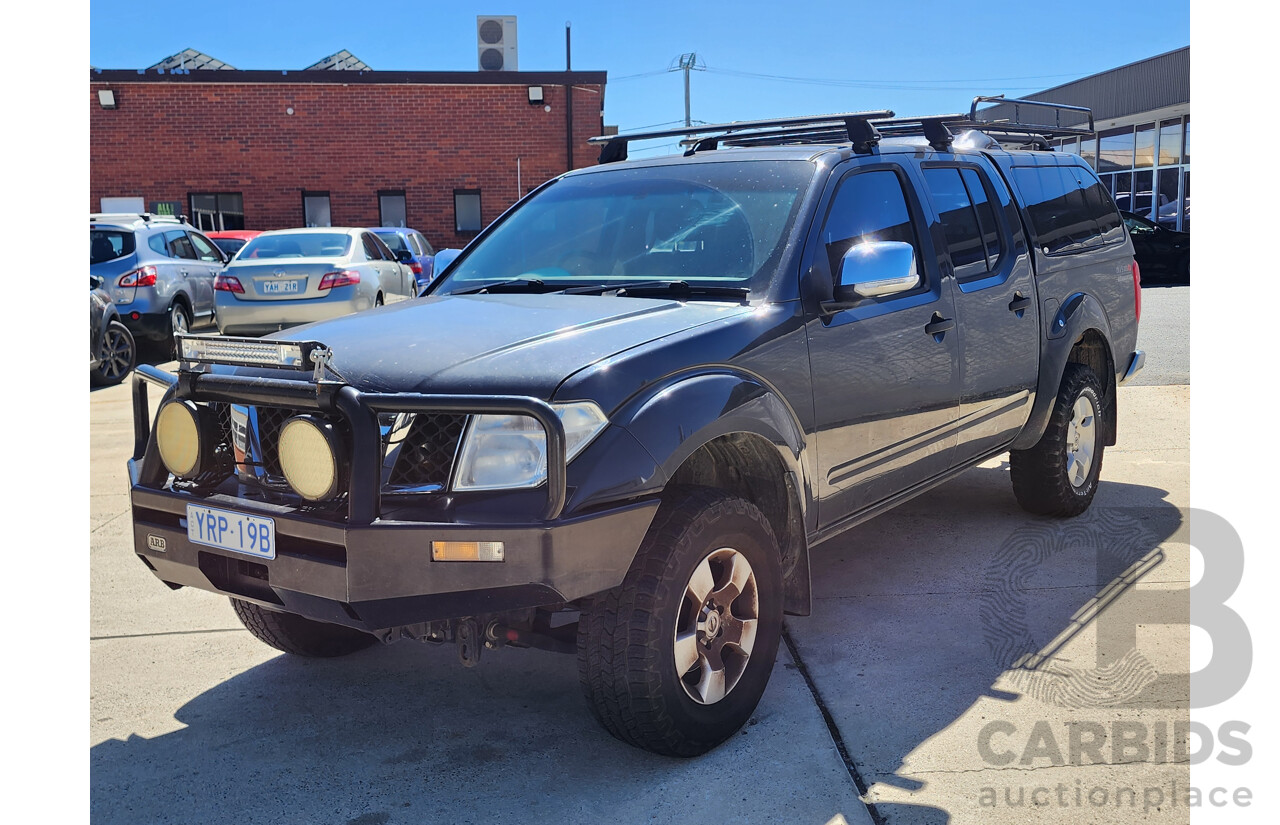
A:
(977, 183)
(157, 243)
(383, 250)
(959, 222)
(205, 249)
(1101, 207)
(1056, 205)
(426, 247)
(179, 245)
(868, 206)
(370, 248)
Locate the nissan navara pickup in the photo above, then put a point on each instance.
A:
(621, 419)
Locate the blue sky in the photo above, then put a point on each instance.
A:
(914, 58)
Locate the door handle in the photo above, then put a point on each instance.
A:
(939, 326)
(1019, 304)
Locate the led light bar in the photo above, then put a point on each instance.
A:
(247, 352)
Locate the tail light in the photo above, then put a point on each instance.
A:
(227, 283)
(416, 267)
(346, 277)
(142, 276)
(1137, 292)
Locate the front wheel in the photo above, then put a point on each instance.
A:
(291, 633)
(676, 658)
(1059, 475)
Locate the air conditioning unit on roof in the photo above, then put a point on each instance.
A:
(496, 43)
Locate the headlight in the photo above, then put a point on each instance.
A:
(507, 451)
(311, 457)
(187, 436)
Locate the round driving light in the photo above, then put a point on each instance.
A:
(311, 457)
(186, 436)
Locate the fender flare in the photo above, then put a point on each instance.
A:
(1078, 315)
(679, 416)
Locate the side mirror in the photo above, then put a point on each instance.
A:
(442, 260)
(874, 270)
(404, 256)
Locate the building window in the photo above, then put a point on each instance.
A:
(391, 208)
(1170, 142)
(1115, 150)
(215, 212)
(315, 209)
(466, 210)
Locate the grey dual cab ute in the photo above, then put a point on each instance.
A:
(158, 271)
(620, 421)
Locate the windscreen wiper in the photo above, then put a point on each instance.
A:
(639, 289)
(513, 285)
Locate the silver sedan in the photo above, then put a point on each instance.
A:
(295, 276)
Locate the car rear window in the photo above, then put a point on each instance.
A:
(109, 244)
(394, 241)
(299, 245)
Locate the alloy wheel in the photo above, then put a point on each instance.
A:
(716, 627)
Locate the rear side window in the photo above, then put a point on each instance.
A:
(180, 245)
(426, 247)
(108, 245)
(1055, 202)
(1103, 209)
(370, 248)
(869, 206)
(977, 184)
(959, 222)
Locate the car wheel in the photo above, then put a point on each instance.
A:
(119, 356)
(1059, 475)
(676, 658)
(179, 324)
(291, 633)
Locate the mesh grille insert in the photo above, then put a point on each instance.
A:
(426, 455)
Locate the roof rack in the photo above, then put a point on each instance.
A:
(863, 129)
(133, 217)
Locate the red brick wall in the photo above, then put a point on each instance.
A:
(168, 140)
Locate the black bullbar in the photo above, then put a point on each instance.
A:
(368, 572)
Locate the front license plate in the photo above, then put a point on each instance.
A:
(237, 532)
(282, 287)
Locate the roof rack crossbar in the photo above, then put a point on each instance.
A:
(615, 146)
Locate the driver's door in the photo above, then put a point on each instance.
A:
(886, 390)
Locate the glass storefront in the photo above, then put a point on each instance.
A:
(1147, 168)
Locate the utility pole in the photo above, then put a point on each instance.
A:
(686, 63)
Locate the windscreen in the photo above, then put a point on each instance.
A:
(297, 245)
(228, 245)
(109, 244)
(714, 224)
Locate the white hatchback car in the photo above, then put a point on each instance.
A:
(295, 276)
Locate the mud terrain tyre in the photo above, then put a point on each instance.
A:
(1059, 475)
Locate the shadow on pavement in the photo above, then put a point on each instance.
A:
(919, 612)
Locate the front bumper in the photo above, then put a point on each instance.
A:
(369, 569)
(381, 575)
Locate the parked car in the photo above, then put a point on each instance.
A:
(158, 270)
(410, 248)
(622, 418)
(294, 276)
(1163, 254)
(230, 241)
(112, 354)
